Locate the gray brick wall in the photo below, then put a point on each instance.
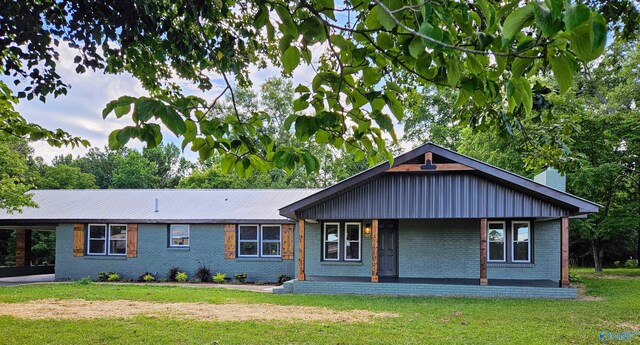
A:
(207, 246)
(439, 248)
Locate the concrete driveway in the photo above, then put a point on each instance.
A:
(39, 278)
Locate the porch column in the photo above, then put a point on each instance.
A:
(483, 252)
(301, 275)
(374, 250)
(23, 247)
(564, 256)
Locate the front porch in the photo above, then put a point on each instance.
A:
(417, 288)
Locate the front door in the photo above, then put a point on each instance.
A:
(387, 248)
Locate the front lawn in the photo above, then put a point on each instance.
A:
(614, 306)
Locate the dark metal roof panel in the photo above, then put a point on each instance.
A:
(440, 195)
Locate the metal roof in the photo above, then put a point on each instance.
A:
(575, 205)
(174, 205)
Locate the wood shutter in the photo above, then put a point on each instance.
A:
(78, 239)
(229, 241)
(287, 241)
(132, 240)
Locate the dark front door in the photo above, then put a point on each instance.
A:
(387, 248)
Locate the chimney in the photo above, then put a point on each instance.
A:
(551, 177)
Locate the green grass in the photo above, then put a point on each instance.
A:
(422, 320)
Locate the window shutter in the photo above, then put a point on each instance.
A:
(132, 240)
(78, 239)
(287, 241)
(229, 241)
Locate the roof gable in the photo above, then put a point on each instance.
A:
(422, 160)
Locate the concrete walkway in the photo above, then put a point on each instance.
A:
(39, 278)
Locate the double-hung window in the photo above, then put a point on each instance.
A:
(97, 239)
(259, 240)
(496, 235)
(179, 235)
(106, 239)
(352, 240)
(521, 244)
(331, 243)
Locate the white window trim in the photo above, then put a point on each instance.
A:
(105, 239)
(126, 238)
(324, 241)
(171, 236)
(513, 240)
(359, 241)
(257, 241)
(504, 245)
(270, 241)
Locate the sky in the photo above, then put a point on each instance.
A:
(80, 111)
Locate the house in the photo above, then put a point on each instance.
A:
(434, 223)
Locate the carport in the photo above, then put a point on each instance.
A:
(20, 245)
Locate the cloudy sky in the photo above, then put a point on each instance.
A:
(80, 111)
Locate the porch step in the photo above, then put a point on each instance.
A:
(285, 288)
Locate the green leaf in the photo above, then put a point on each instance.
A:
(173, 121)
(385, 41)
(588, 40)
(549, 23)
(416, 47)
(377, 17)
(431, 31)
(519, 65)
(289, 121)
(370, 75)
(290, 59)
(262, 17)
(300, 104)
(515, 21)
(326, 7)
(453, 71)
(122, 110)
(563, 70)
(191, 130)
(575, 16)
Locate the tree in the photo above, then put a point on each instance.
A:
(487, 53)
(134, 171)
(64, 177)
(101, 164)
(171, 166)
(13, 171)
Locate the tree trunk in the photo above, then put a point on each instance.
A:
(598, 253)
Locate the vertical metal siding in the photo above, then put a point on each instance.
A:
(411, 196)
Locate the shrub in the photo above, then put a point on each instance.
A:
(147, 277)
(84, 281)
(219, 278)
(574, 278)
(173, 271)
(283, 278)
(181, 277)
(195, 281)
(203, 273)
(631, 263)
(241, 277)
(113, 277)
(104, 276)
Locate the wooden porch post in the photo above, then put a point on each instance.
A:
(483, 252)
(23, 247)
(374, 251)
(301, 275)
(564, 256)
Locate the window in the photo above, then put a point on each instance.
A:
(271, 243)
(331, 244)
(352, 242)
(521, 244)
(107, 242)
(248, 240)
(497, 245)
(117, 239)
(97, 239)
(179, 236)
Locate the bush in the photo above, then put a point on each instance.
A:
(203, 273)
(283, 278)
(574, 278)
(104, 276)
(84, 281)
(181, 277)
(173, 271)
(241, 277)
(195, 281)
(146, 277)
(113, 277)
(631, 263)
(219, 278)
